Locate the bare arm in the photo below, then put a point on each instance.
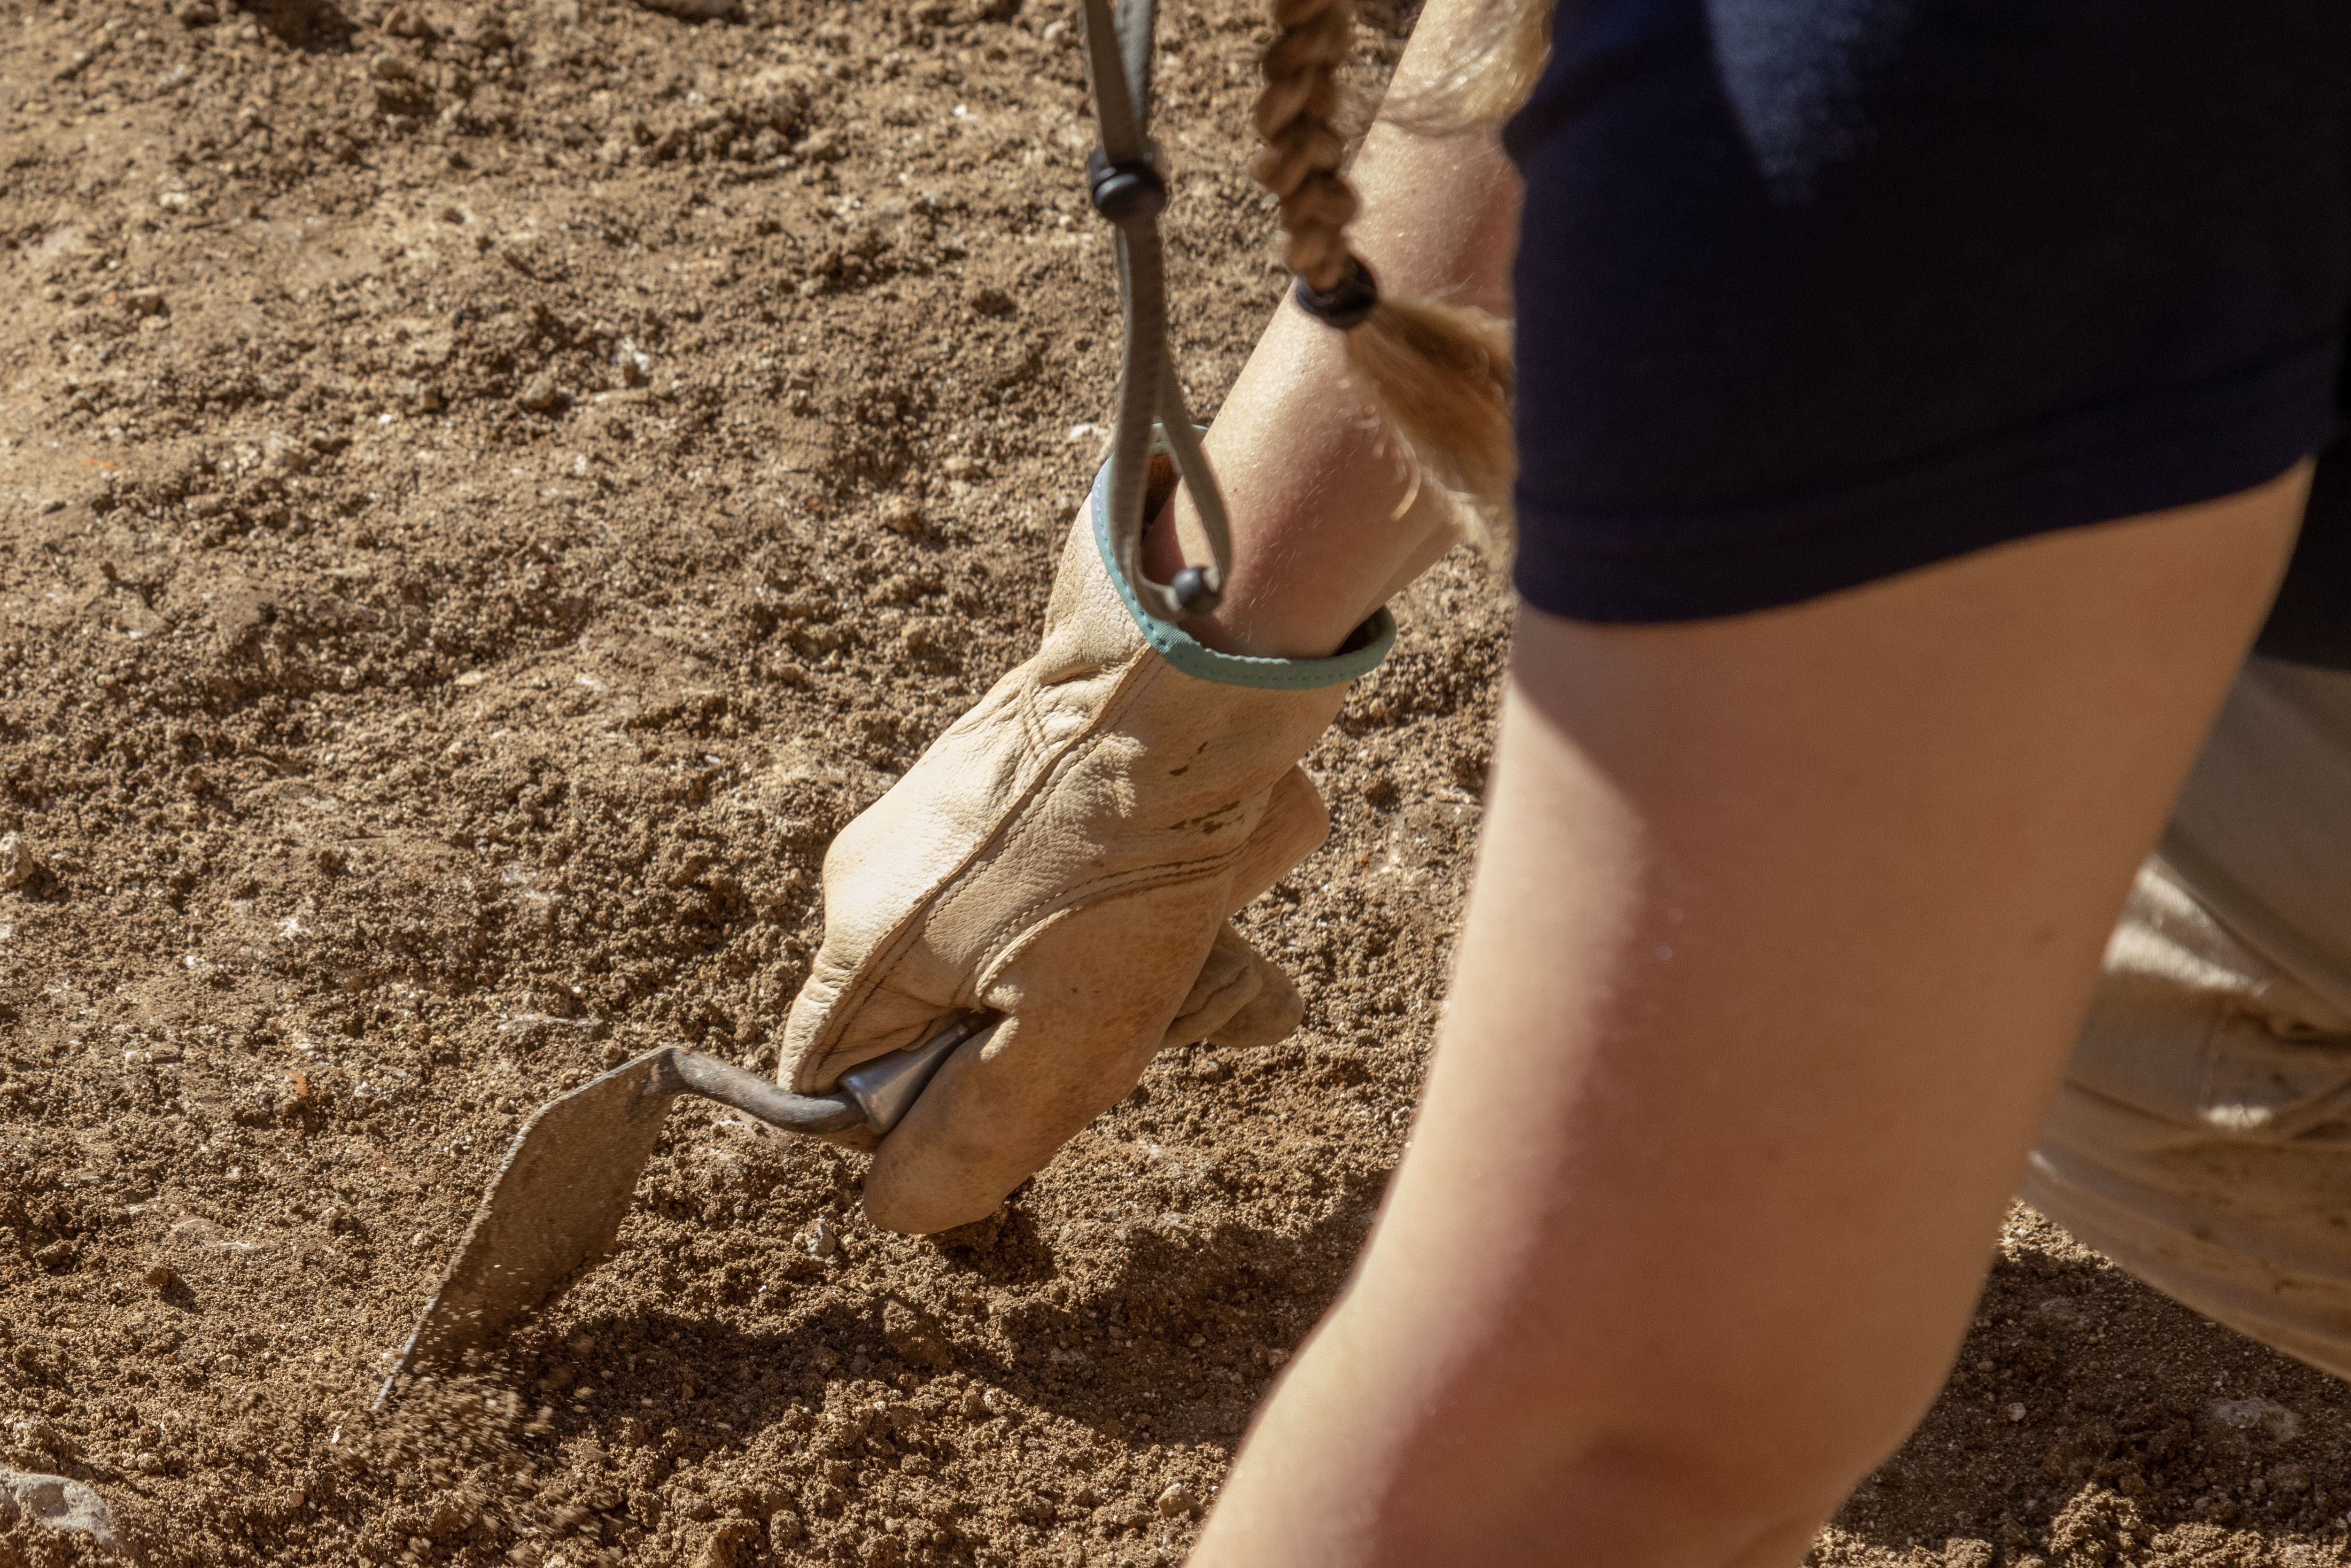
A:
(1321, 532)
(1782, 927)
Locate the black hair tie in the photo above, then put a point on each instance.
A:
(1347, 303)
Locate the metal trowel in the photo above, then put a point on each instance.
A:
(559, 1196)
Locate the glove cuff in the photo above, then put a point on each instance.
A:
(1361, 652)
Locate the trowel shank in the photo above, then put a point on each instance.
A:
(874, 1093)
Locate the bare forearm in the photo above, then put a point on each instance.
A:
(1327, 521)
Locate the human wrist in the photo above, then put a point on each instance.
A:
(1360, 651)
(1294, 593)
(1327, 522)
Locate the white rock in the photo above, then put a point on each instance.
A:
(16, 863)
(1177, 1500)
(57, 1503)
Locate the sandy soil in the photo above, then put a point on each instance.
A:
(485, 494)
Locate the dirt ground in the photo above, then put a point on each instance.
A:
(485, 495)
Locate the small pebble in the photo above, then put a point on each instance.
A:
(900, 515)
(1176, 1501)
(541, 394)
(2016, 1412)
(821, 1240)
(33, 1433)
(160, 1275)
(16, 863)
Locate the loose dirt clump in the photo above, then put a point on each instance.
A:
(485, 493)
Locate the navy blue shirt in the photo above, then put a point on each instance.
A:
(1812, 292)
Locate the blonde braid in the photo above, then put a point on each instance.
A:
(1439, 374)
(1303, 150)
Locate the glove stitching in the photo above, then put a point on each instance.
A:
(1067, 899)
(891, 954)
(1012, 950)
(1141, 878)
(1023, 824)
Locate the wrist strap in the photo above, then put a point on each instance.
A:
(1361, 652)
(1127, 180)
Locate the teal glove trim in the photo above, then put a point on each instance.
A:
(1365, 647)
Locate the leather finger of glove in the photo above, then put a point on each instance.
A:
(887, 1017)
(888, 1020)
(1241, 999)
(1087, 1000)
(1293, 826)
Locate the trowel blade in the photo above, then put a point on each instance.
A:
(551, 1212)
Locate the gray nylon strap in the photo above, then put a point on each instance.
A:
(1135, 19)
(1120, 116)
(1118, 59)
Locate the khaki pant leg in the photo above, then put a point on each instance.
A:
(2203, 1138)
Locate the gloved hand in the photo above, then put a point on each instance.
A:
(1068, 854)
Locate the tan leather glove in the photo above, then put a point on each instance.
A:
(1068, 854)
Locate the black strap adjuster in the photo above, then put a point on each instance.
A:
(1126, 191)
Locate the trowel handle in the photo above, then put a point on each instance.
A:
(886, 1087)
(873, 1093)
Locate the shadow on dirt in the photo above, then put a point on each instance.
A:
(314, 27)
(1174, 1342)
